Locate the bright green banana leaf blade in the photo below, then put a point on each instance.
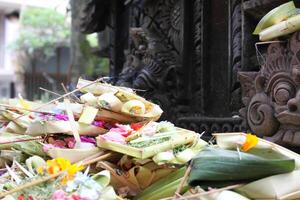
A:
(163, 188)
(217, 167)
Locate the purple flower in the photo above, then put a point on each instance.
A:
(61, 117)
(44, 117)
(109, 126)
(103, 124)
(98, 123)
(88, 139)
(2, 171)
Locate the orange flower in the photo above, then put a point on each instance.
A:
(66, 178)
(251, 141)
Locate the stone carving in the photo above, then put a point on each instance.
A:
(161, 24)
(166, 56)
(154, 53)
(272, 95)
(94, 15)
(134, 58)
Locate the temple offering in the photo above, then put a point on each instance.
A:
(109, 145)
(148, 140)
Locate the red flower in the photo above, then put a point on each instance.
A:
(76, 197)
(136, 126)
(21, 197)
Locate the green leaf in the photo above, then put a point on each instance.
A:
(163, 188)
(281, 29)
(31, 148)
(103, 178)
(275, 16)
(214, 166)
(34, 162)
(230, 140)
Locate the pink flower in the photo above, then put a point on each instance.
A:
(46, 147)
(70, 142)
(60, 195)
(126, 128)
(59, 143)
(54, 143)
(114, 137)
(118, 134)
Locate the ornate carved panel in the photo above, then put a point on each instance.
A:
(184, 55)
(272, 96)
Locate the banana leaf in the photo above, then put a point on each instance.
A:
(275, 16)
(27, 147)
(222, 195)
(22, 121)
(12, 127)
(281, 29)
(88, 115)
(273, 186)
(38, 128)
(153, 111)
(31, 148)
(283, 186)
(163, 188)
(231, 140)
(10, 155)
(73, 155)
(216, 167)
(9, 137)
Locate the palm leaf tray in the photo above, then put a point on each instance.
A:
(181, 137)
(152, 111)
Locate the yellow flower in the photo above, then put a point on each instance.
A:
(40, 170)
(57, 165)
(63, 163)
(251, 141)
(73, 169)
(50, 162)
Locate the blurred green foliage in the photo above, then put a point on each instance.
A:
(92, 39)
(95, 65)
(42, 30)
